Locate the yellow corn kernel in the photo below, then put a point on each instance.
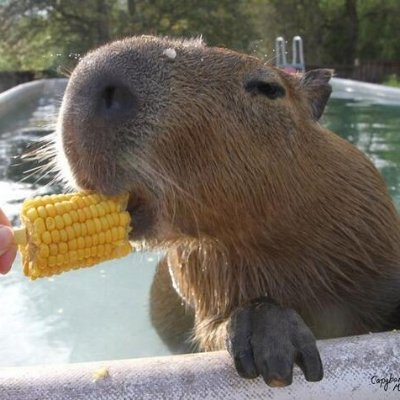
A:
(44, 251)
(114, 233)
(87, 252)
(81, 215)
(102, 210)
(32, 214)
(73, 256)
(83, 229)
(110, 220)
(51, 211)
(94, 211)
(63, 248)
(39, 226)
(116, 219)
(74, 215)
(42, 211)
(58, 219)
(59, 208)
(81, 242)
(52, 263)
(107, 248)
(73, 244)
(46, 237)
(60, 261)
(77, 229)
(55, 236)
(97, 225)
(67, 219)
(104, 223)
(88, 241)
(50, 223)
(63, 235)
(91, 229)
(112, 207)
(53, 248)
(121, 233)
(71, 231)
(108, 237)
(81, 254)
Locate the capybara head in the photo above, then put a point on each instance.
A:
(206, 140)
(227, 166)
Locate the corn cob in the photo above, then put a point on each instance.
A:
(71, 231)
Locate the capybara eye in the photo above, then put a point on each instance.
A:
(270, 89)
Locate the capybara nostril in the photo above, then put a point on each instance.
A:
(115, 101)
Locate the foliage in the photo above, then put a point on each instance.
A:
(44, 34)
(392, 80)
(379, 32)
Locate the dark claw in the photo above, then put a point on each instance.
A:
(245, 365)
(309, 360)
(277, 372)
(264, 338)
(239, 344)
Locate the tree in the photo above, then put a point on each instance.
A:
(379, 30)
(58, 28)
(42, 34)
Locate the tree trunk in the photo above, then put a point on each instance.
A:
(103, 25)
(131, 8)
(351, 27)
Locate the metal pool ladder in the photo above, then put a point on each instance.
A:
(297, 64)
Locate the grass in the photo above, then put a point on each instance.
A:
(392, 80)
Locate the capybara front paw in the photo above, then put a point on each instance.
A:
(266, 339)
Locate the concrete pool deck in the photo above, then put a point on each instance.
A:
(19, 95)
(356, 368)
(366, 92)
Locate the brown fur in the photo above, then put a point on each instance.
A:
(249, 196)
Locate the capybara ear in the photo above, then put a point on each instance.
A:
(317, 87)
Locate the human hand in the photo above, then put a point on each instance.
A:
(8, 249)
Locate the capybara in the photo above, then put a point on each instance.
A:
(276, 230)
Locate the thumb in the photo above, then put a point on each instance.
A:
(6, 238)
(8, 249)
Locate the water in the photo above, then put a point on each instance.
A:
(94, 314)
(101, 313)
(375, 129)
